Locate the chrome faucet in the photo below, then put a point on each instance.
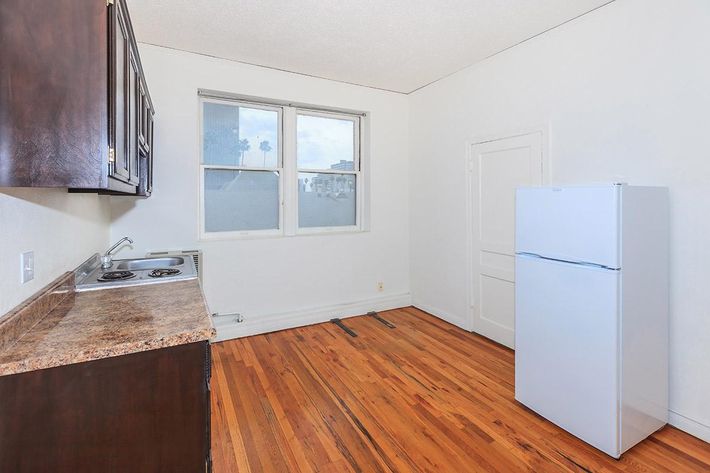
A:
(106, 260)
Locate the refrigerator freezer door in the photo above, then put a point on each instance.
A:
(566, 336)
(569, 223)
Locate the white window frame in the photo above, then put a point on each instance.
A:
(204, 234)
(287, 156)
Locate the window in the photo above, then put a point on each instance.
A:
(327, 171)
(278, 169)
(241, 168)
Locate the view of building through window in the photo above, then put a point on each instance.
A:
(240, 136)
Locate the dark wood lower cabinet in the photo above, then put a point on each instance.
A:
(146, 412)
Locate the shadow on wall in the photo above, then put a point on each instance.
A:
(51, 198)
(120, 206)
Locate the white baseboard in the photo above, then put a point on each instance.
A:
(443, 315)
(686, 424)
(255, 324)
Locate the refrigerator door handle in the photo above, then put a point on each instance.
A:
(529, 255)
(578, 263)
(594, 265)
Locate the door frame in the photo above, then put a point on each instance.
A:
(472, 187)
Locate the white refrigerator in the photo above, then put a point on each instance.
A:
(591, 310)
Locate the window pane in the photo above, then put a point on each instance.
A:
(241, 200)
(325, 143)
(240, 136)
(326, 200)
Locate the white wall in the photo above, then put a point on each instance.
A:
(624, 93)
(62, 229)
(265, 278)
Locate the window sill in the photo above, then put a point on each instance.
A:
(236, 236)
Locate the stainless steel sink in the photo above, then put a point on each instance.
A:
(149, 263)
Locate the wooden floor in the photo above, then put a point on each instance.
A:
(425, 396)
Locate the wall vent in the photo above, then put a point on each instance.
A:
(196, 256)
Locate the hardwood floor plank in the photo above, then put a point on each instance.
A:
(352, 387)
(254, 423)
(461, 406)
(305, 425)
(227, 441)
(423, 397)
(271, 369)
(340, 430)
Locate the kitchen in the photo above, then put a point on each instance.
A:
(609, 94)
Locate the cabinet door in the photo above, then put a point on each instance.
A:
(208, 408)
(53, 99)
(143, 118)
(151, 150)
(145, 151)
(120, 165)
(144, 412)
(134, 107)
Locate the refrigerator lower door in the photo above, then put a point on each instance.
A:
(566, 339)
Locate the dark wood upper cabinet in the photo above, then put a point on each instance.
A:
(75, 110)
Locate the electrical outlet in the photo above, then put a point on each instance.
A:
(27, 266)
(380, 286)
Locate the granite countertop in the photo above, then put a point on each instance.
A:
(60, 327)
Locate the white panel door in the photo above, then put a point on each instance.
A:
(579, 224)
(566, 347)
(496, 169)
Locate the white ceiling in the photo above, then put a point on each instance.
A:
(398, 45)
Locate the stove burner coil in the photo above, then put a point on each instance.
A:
(116, 276)
(164, 273)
